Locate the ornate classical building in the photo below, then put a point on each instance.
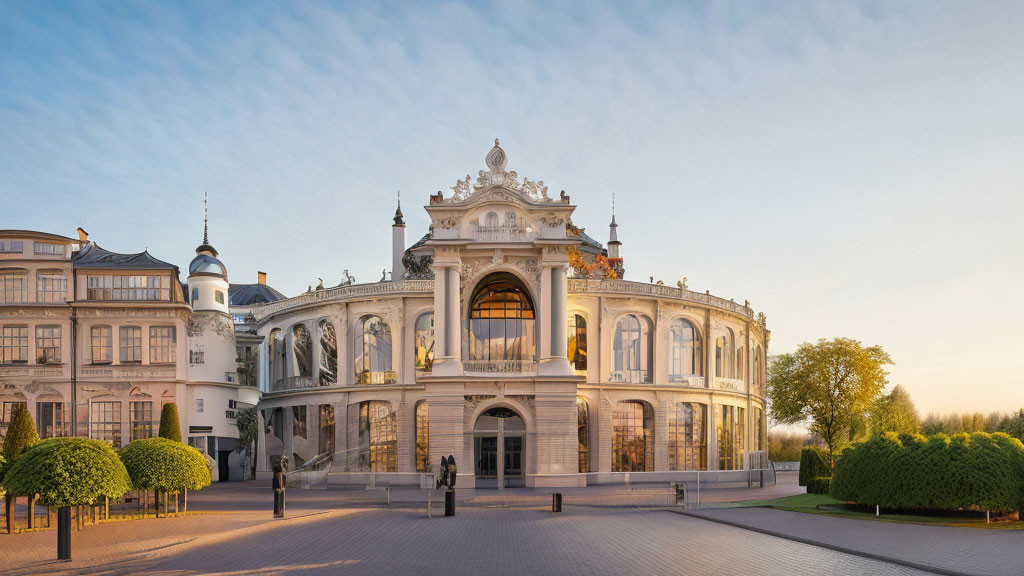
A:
(487, 345)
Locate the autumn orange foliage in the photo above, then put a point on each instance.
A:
(598, 269)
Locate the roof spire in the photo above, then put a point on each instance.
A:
(206, 215)
(613, 224)
(399, 220)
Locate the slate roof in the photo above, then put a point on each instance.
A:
(92, 256)
(249, 294)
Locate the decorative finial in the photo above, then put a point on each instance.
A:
(613, 224)
(399, 219)
(496, 158)
(206, 216)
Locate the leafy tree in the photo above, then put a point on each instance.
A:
(1014, 424)
(170, 427)
(931, 425)
(600, 268)
(785, 446)
(825, 385)
(894, 412)
(68, 472)
(165, 465)
(21, 435)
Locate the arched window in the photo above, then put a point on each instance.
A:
(422, 437)
(577, 348)
(491, 221)
(684, 350)
(739, 363)
(510, 219)
(302, 347)
(583, 433)
(501, 325)
(373, 360)
(378, 437)
(724, 346)
(632, 349)
(328, 354)
(424, 339)
(195, 295)
(275, 358)
(687, 436)
(632, 437)
(759, 371)
(729, 423)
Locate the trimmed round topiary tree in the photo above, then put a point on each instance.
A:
(21, 435)
(165, 465)
(170, 427)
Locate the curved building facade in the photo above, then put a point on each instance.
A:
(494, 344)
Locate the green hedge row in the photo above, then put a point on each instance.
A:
(908, 471)
(819, 485)
(813, 464)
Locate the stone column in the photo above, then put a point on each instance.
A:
(553, 320)
(453, 316)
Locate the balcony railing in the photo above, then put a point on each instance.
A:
(377, 377)
(499, 366)
(631, 376)
(731, 384)
(586, 286)
(293, 383)
(500, 234)
(688, 380)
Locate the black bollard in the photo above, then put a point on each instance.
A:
(64, 533)
(556, 502)
(449, 503)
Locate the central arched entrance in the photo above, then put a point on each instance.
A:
(499, 441)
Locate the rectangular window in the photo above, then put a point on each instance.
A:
(47, 344)
(326, 443)
(141, 420)
(128, 288)
(131, 344)
(12, 246)
(730, 430)
(687, 436)
(106, 422)
(163, 348)
(299, 421)
(101, 341)
(51, 287)
(13, 287)
(50, 419)
(44, 249)
(14, 345)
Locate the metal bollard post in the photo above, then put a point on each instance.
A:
(449, 503)
(556, 502)
(387, 489)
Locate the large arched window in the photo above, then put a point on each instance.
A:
(739, 363)
(373, 353)
(491, 221)
(302, 348)
(577, 349)
(758, 371)
(328, 354)
(684, 350)
(583, 433)
(632, 437)
(724, 346)
(729, 424)
(276, 344)
(422, 437)
(687, 436)
(424, 339)
(501, 326)
(632, 349)
(378, 437)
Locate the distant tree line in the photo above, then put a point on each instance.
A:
(954, 423)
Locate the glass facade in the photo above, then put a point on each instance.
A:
(729, 422)
(501, 321)
(425, 342)
(378, 437)
(373, 360)
(328, 354)
(106, 422)
(302, 347)
(632, 437)
(422, 437)
(631, 347)
(684, 350)
(14, 345)
(163, 345)
(140, 419)
(577, 349)
(687, 436)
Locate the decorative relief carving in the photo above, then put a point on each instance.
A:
(497, 259)
(497, 176)
(200, 321)
(530, 268)
(473, 401)
(446, 223)
(552, 220)
(526, 401)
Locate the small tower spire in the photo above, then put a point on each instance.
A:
(399, 219)
(206, 218)
(614, 258)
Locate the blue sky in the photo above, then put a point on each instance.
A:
(851, 169)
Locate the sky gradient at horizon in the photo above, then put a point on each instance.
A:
(853, 169)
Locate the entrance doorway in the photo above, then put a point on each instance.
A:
(498, 449)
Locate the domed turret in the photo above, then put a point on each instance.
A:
(207, 276)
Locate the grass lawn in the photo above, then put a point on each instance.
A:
(810, 503)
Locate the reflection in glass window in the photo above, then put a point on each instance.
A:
(302, 348)
(501, 321)
(141, 420)
(687, 436)
(422, 437)
(583, 433)
(425, 342)
(131, 344)
(373, 353)
(106, 422)
(632, 349)
(632, 437)
(326, 442)
(50, 419)
(51, 287)
(760, 438)
(101, 341)
(47, 344)
(724, 346)
(378, 437)
(328, 354)
(577, 349)
(729, 425)
(13, 286)
(276, 345)
(684, 350)
(163, 345)
(299, 421)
